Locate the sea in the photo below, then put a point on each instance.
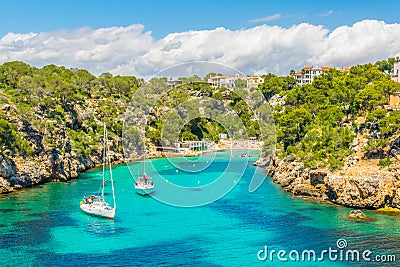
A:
(44, 226)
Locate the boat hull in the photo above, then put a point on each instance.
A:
(98, 209)
(144, 191)
(144, 186)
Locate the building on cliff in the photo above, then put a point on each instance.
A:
(307, 74)
(174, 83)
(394, 99)
(396, 72)
(235, 81)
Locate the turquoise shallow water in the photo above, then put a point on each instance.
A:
(44, 226)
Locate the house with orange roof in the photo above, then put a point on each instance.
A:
(307, 74)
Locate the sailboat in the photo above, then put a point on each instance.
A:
(96, 205)
(144, 185)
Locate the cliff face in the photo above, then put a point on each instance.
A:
(367, 188)
(17, 173)
(53, 160)
(20, 173)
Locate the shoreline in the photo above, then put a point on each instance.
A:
(20, 174)
(317, 185)
(357, 187)
(308, 185)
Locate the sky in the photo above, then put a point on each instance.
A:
(143, 37)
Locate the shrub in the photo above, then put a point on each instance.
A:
(385, 162)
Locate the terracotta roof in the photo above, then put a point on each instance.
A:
(326, 67)
(221, 77)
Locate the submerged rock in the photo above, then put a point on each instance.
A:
(358, 215)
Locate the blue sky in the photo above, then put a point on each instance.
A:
(163, 17)
(143, 37)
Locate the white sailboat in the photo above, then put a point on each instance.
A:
(144, 185)
(96, 205)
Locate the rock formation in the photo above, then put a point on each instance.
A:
(357, 187)
(54, 161)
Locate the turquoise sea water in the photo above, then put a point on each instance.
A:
(44, 226)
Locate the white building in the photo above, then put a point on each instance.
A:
(223, 136)
(306, 76)
(254, 81)
(308, 73)
(394, 99)
(396, 72)
(231, 81)
(173, 83)
(195, 145)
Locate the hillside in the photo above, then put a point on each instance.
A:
(51, 119)
(51, 122)
(337, 140)
(334, 136)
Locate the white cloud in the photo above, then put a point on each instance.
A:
(97, 50)
(330, 12)
(267, 18)
(261, 49)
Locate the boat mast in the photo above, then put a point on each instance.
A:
(112, 181)
(104, 161)
(144, 157)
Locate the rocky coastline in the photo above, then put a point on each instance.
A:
(357, 187)
(54, 166)
(53, 160)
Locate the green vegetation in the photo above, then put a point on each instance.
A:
(318, 121)
(55, 107)
(58, 108)
(273, 84)
(199, 128)
(11, 140)
(385, 162)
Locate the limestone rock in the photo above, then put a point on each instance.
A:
(276, 100)
(6, 167)
(372, 190)
(357, 214)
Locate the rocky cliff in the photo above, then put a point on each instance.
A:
(56, 155)
(20, 173)
(55, 165)
(358, 186)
